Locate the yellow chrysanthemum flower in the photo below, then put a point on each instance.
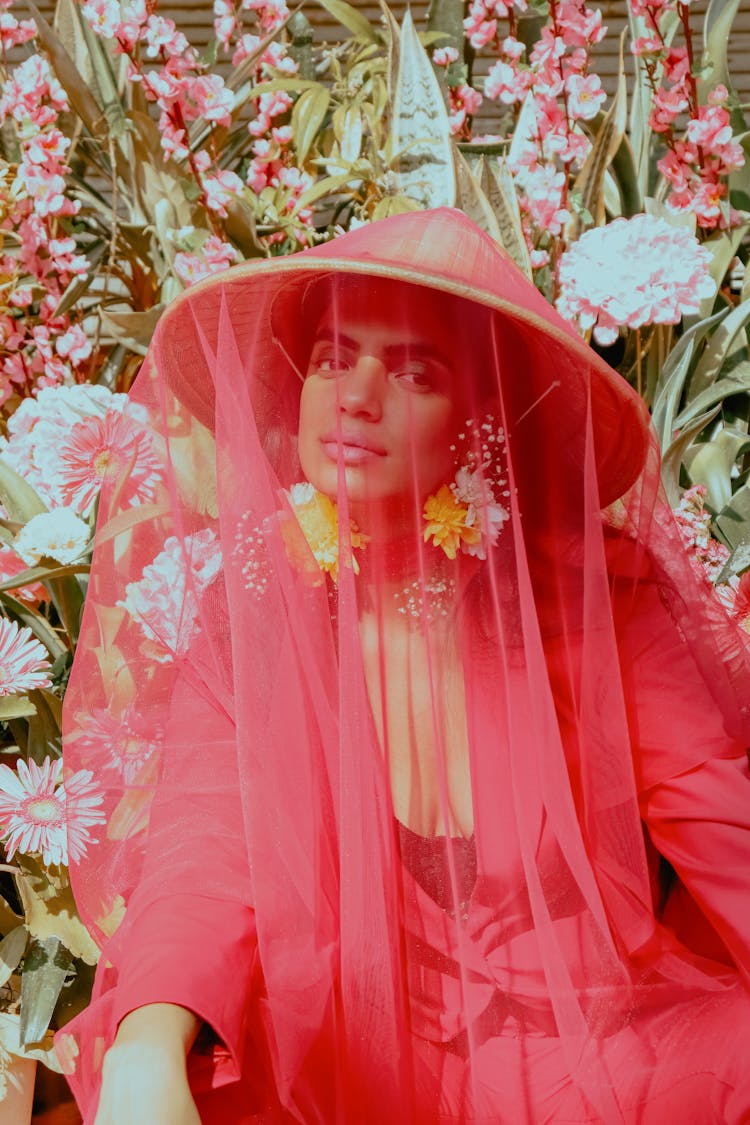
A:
(446, 522)
(318, 518)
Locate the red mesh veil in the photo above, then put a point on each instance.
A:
(389, 667)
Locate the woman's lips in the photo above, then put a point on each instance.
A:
(350, 450)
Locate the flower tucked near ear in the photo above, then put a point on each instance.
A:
(465, 514)
(447, 522)
(318, 519)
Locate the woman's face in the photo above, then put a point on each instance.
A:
(380, 402)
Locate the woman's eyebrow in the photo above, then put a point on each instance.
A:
(329, 336)
(419, 350)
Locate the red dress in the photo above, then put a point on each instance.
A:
(568, 678)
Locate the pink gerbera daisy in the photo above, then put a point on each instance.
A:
(23, 659)
(128, 741)
(97, 448)
(38, 814)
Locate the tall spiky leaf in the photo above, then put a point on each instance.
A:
(45, 968)
(496, 182)
(393, 44)
(717, 29)
(471, 199)
(589, 182)
(420, 126)
(78, 93)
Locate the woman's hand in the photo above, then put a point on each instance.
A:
(144, 1077)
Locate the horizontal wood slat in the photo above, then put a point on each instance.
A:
(194, 18)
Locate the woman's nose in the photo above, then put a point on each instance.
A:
(362, 388)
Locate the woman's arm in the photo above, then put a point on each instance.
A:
(186, 952)
(145, 1074)
(693, 782)
(700, 822)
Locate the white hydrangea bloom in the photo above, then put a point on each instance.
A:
(59, 535)
(162, 601)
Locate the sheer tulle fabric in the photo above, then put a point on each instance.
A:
(381, 809)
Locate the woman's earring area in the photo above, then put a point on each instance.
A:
(468, 514)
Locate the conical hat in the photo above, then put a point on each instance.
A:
(442, 250)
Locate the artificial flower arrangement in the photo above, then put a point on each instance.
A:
(59, 447)
(296, 145)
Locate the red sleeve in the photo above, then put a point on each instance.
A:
(189, 933)
(693, 782)
(197, 952)
(673, 717)
(700, 822)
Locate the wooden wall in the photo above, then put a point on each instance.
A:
(194, 18)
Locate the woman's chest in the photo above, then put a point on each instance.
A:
(417, 698)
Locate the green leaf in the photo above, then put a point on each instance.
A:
(737, 563)
(641, 100)
(733, 524)
(20, 500)
(393, 46)
(39, 626)
(291, 85)
(45, 968)
(68, 27)
(326, 186)
(471, 199)
(81, 99)
(134, 329)
(723, 248)
(8, 917)
(718, 348)
(673, 378)
(590, 180)
(717, 29)
(351, 19)
(12, 949)
(44, 728)
(50, 911)
(710, 463)
(420, 127)
(351, 140)
(67, 598)
(496, 181)
(81, 285)
(672, 458)
(16, 707)
(394, 205)
(160, 194)
(105, 83)
(737, 381)
(623, 171)
(308, 115)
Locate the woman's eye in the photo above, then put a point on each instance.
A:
(329, 362)
(419, 378)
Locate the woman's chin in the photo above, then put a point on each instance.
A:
(359, 485)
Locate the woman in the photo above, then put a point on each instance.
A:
(423, 746)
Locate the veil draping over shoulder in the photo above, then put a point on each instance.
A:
(378, 689)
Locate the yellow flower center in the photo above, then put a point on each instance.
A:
(101, 462)
(44, 810)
